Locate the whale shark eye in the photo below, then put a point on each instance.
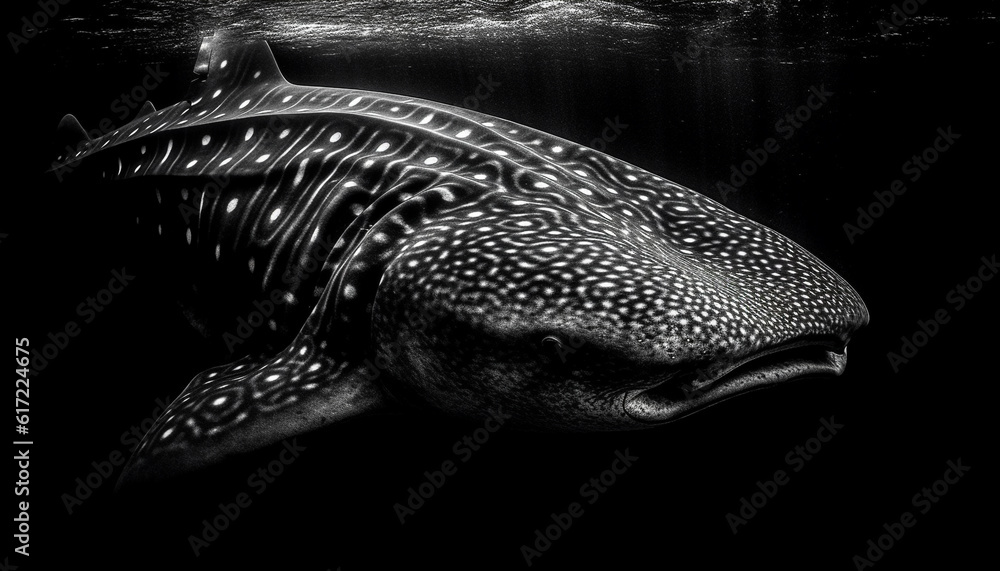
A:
(553, 347)
(551, 341)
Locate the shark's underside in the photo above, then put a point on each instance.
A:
(418, 254)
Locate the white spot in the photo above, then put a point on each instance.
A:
(541, 185)
(631, 177)
(256, 74)
(479, 177)
(170, 147)
(557, 149)
(206, 140)
(167, 432)
(226, 161)
(275, 214)
(430, 160)
(382, 148)
(314, 367)
(284, 133)
(354, 102)
(464, 133)
(219, 401)
(475, 214)
(286, 99)
(244, 104)
(350, 292)
(550, 249)
(303, 351)
(263, 158)
(217, 93)
(249, 134)
(218, 251)
(336, 137)
(272, 378)
(251, 264)
(192, 163)
(188, 235)
(224, 63)
(427, 119)
(143, 150)
(232, 205)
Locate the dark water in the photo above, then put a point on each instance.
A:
(567, 68)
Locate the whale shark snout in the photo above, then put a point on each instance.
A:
(773, 313)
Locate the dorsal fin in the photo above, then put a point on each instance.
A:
(223, 64)
(69, 137)
(146, 109)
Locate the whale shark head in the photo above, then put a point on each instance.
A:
(653, 305)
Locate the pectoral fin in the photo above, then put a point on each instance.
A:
(249, 404)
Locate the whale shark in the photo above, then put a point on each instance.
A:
(381, 252)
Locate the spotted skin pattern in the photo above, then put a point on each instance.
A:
(501, 241)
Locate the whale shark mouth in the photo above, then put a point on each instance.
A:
(694, 389)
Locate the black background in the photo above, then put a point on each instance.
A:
(333, 507)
